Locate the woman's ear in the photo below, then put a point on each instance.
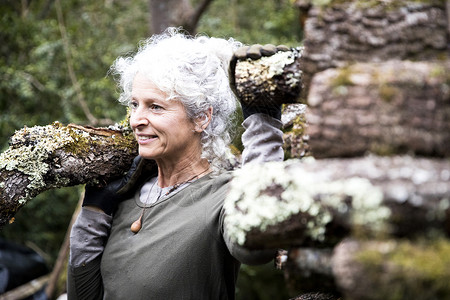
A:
(202, 121)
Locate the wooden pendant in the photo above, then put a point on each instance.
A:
(137, 225)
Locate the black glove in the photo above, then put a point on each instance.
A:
(255, 51)
(107, 198)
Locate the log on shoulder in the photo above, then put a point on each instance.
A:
(319, 202)
(277, 78)
(53, 156)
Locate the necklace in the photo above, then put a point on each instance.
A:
(137, 225)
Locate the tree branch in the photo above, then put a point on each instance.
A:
(53, 156)
(192, 21)
(73, 78)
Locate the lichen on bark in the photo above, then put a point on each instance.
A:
(275, 78)
(295, 138)
(257, 202)
(44, 157)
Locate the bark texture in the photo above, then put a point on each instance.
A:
(373, 269)
(396, 211)
(392, 269)
(54, 156)
(277, 78)
(295, 138)
(388, 63)
(174, 13)
(395, 107)
(373, 31)
(320, 202)
(365, 227)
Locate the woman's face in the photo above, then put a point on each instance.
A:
(162, 128)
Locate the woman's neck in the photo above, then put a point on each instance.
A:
(183, 171)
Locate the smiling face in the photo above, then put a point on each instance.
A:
(162, 128)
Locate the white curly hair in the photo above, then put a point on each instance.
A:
(193, 70)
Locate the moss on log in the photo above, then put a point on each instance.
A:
(295, 137)
(53, 156)
(319, 202)
(390, 270)
(383, 269)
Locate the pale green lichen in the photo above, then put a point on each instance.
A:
(249, 207)
(263, 70)
(29, 152)
(32, 150)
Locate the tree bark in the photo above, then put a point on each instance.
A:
(174, 13)
(295, 138)
(320, 202)
(54, 156)
(277, 78)
(395, 107)
(375, 31)
(372, 269)
(392, 269)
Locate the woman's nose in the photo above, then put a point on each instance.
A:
(138, 119)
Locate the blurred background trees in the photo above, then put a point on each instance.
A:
(54, 61)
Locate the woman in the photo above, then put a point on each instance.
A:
(162, 235)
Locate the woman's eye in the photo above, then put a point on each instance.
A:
(155, 107)
(133, 105)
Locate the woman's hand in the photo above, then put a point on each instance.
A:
(108, 197)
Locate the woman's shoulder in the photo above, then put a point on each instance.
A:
(223, 176)
(212, 186)
(221, 181)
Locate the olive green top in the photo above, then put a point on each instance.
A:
(182, 250)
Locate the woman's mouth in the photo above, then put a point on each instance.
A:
(144, 139)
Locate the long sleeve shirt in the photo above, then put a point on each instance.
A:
(182, 251)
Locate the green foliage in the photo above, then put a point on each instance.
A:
(38, 50)
(36, 87)
(261, 283)
(43, 222)
(274, 21)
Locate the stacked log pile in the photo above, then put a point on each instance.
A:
(365, 212)
(362, 204)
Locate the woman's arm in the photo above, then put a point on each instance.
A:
(91, 230)
(262, 139)
(263, 142)
(87, 241)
